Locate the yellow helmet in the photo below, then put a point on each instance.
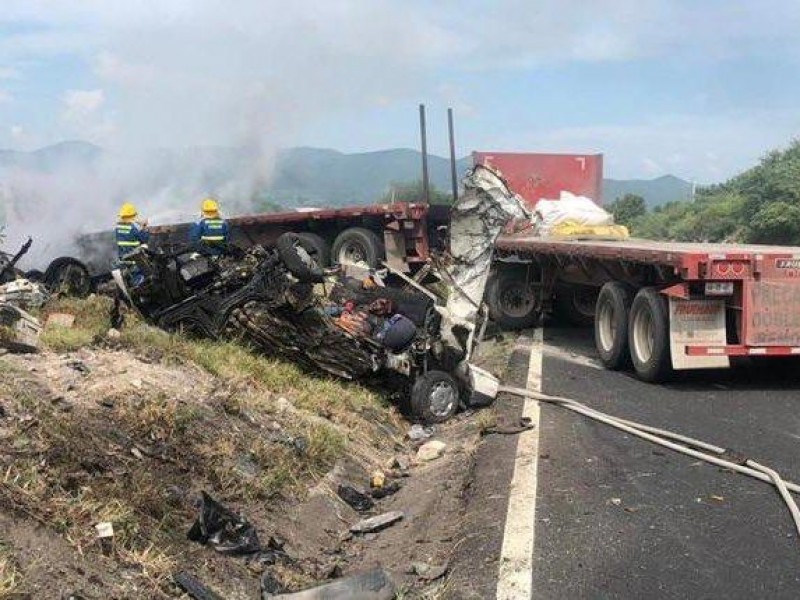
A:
(210, 207)
(128, 211)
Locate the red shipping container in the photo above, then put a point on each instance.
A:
(537, 176)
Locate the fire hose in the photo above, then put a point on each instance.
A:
(678, 443)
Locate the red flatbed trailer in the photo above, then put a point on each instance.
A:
(670, 305)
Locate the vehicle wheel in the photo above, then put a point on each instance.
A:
(434, 397)
(611, 324)
(34, 275)
(574, 305)
(317, 247)
(358, 245)
(648, 336)
(69, 276)
(297, 259)
(513, 304)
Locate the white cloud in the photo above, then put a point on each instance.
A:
(9, 73)
(80, 104)
(703, 149)
(6, 97)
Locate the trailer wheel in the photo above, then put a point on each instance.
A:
(69, 276)
(648, 336)
(358, 245)
(574, 305)
(513, 304)
(298, 260)
(434, 397)
(317, 247)
(611, 324)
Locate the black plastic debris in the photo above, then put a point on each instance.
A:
(224, 530)
(387, 490)
(357, 499)
(270, 585)
(274, 553)
(194, 587)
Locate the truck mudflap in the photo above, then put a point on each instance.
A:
(773, 313)
(695, 323)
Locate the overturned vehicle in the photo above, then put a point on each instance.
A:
(359, 328)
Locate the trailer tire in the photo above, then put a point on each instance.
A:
(317, 247)
(434, 397)
(512, 304)
(68, 275)
(611, 325)
(574, 305)
(648, 336)
(358, 245)
(298, 260)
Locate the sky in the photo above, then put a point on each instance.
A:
(696, 88)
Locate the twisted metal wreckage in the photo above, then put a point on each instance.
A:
(280, 301)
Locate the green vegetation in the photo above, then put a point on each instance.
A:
(413, 191)
(760, 205)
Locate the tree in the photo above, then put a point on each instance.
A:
(627, 209)
(413, 191)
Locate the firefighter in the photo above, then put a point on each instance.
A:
(130, 234)
(211, 231)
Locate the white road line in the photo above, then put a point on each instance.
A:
(515, 581)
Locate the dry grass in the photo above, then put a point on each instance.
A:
(10, 575)
(268, 429)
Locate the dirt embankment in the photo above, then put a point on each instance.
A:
(130, 430)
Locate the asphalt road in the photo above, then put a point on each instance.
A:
(618, 517)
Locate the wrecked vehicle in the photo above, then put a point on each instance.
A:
(283, 303)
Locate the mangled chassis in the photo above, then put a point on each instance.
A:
(256, 298)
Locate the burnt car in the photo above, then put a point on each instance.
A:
(282, 303)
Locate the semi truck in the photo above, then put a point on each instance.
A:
(656, 306)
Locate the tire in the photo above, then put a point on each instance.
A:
(298, 260)
(69, 276)
(357, 245)
(434, 397)
(574, 305)
(611, 325)
(648, 336)
(317, 247)
(512, 304)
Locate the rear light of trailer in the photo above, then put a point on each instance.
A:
(719, 288)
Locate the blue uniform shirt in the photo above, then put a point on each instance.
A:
(212, 233)
(129, 237)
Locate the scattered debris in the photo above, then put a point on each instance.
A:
(525, 424)
(387, 490)
(78, 365)
(401, 463)
(417, 433)
(428, 572)
(431, 451)
(355, 498)
(226, 531)
(378, 480)
(616, 501)
(378, 523)
(270, 585)
(104, 530)
(717, 498)
(194, 587)
(19, 331)
(64, 320)
(113, 334)
(137, 453)
(376, 584)
(24, 294)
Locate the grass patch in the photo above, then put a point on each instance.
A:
(91, 322)
(10, 574)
